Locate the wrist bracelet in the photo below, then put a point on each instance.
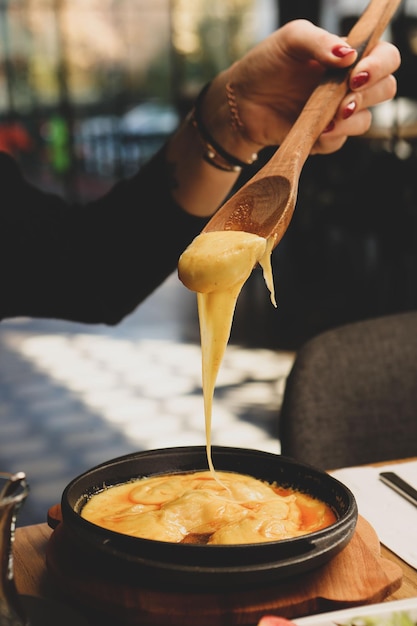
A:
(213, 153)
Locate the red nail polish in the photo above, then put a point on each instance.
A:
(329, 127)
(349, 110)
(359, 80)
(342, 50)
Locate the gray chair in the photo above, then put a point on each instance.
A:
(351, 395)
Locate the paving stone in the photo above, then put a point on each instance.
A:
(73, 396)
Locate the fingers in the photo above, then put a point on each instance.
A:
(296, 56)
(335, 138)
(372, 82)
(382, 91)
(382, 61)
(327, 144)
(358, 124)
(337, 135)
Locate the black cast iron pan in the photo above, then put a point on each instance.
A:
(202, 566)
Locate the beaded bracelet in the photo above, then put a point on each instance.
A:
(213, 153)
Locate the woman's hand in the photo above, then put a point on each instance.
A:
(254, 103)
(272, 82)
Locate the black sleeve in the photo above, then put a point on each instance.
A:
(92, 263)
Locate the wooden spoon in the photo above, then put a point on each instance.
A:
(265, 204)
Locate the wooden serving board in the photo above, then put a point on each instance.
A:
(357, 575)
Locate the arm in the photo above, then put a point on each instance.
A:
(92, 263)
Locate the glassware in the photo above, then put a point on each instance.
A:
(13, 492)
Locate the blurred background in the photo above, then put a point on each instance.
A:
(89, 90)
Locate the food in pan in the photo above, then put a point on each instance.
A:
(199, 507)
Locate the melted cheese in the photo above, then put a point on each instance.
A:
(216, 265)
(197, 508)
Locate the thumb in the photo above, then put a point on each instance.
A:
(302, 38)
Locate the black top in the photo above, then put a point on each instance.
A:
(92, 262)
